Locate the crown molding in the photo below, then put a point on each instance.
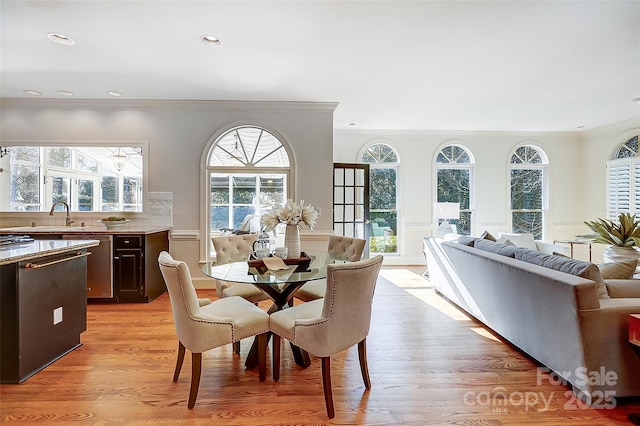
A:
(147, 104)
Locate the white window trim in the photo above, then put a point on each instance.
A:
(390, 165)
(544, 166)
(206, 170)
(472, 184)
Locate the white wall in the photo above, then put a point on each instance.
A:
(570, 178)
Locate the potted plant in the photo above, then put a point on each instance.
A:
(623, 236)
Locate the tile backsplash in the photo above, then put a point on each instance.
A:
(160, 214)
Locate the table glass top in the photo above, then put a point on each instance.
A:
(241, 272)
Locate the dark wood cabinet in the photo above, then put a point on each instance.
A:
(136, 275)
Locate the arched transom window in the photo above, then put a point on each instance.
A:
(623, 180)
(528, 173)
(454, 178)
(248, 146)
(248, 171)
(383, 197)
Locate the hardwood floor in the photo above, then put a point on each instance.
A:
(429, 365)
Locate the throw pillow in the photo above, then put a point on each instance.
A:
(622, 270)
(566, 264)
(487, 236)
(623, 288)
(521, 240)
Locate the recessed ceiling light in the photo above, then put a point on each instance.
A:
(352, 124)
(114, 93)
(637, 100)
(65, 93)
(32, 92)
(581, 127)
(210, 40)
(61, 39)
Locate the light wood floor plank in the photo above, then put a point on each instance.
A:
(429, 365)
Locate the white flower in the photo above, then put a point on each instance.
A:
(291, 214)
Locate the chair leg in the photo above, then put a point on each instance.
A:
(179, 361)
(262, 355)
(326, 384)
(236, 347)
(364, 369)
(196, 369)
(276, 357)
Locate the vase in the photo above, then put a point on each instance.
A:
(617, 254)
(292, 241)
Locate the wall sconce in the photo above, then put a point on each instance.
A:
(120, 159)
(445, 211)
(4, 151)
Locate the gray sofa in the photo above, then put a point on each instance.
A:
(555, 317)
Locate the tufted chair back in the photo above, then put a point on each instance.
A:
(195, 334)
(351, 248)
(233, 248)
(236, 248)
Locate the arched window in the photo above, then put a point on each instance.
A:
(248, 171)
(528, 194)
(623, 180)
(383, 197)
(454, 180)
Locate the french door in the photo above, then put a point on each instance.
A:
(351, 201)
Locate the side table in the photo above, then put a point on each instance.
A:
(634, 341)
(634, 331)
(574, 242)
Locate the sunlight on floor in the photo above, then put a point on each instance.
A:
(418, 286)
(484, 333)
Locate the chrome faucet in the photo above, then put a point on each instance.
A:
(66, 206)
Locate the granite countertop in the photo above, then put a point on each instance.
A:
(84, 230)
(39, 248)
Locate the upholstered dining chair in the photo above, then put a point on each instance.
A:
(351, 248)
(327, 326)
(233, 248)
(204, 327)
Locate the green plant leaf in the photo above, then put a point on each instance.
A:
(625, 233)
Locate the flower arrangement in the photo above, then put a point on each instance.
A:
(291, 214)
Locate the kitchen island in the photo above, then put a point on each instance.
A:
(43, 308)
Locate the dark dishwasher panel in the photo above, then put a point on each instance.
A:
(99, 266)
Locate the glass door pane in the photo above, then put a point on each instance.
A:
(351, 201)
(383, 217)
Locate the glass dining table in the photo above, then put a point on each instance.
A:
(280, 286)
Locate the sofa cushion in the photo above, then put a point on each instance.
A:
(521, 240)
(622, 270)
(508, 249)
(565, 264)
(623, 288)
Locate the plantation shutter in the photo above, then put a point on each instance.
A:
(621, 188)
(635, 186)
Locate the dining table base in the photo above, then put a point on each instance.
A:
(300, 356)
(281, 300)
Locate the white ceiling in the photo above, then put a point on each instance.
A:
(416, 65)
